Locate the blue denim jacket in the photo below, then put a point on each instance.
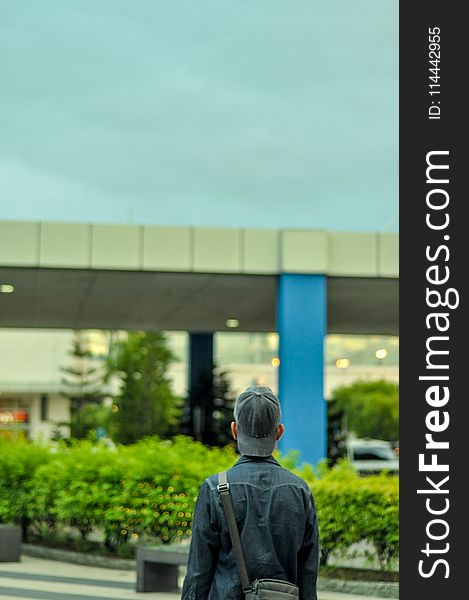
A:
(277, 523)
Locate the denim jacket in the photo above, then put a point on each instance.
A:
(276, 519)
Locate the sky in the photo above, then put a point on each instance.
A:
(238, 113)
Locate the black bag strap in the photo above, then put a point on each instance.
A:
(224, 489)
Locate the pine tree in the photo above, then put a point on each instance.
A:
(82, 385)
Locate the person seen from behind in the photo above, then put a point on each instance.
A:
(274, 511)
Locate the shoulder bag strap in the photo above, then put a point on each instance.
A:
(224, 490)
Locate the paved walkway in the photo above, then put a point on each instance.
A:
(38, 579)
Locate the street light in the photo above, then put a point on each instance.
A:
(381, 354)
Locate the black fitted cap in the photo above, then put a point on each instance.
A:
(257, 415)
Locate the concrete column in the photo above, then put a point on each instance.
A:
(301, 323)
(201, 385)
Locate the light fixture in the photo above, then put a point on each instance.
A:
(275, 362)
(6, 288)
(272, 340)
(232, 323)
(381, 353)
(342, 363)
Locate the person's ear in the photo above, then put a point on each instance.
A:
(234, 430)
(280, 430)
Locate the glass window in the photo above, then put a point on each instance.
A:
(253, 348)
(362, 349)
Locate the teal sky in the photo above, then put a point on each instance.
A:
(250, 113)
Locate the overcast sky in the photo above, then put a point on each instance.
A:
(252, 113)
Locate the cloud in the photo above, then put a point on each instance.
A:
(211, 111)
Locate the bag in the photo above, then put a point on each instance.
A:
(273, 589)
(260, 589)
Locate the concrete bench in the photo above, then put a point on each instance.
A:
(10, 543)
(157, 567)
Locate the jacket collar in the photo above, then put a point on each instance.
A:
(246, 459)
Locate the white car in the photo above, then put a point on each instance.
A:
(372, 456)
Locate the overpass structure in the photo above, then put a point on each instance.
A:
(300, 283)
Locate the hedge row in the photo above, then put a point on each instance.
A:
(147, 491)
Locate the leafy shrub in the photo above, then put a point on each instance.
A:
(144, 490)
(75, 488)
(157, 494)
(352, 509)
(381, 517)
(147, 491)
(19, 462)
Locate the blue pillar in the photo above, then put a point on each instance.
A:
(301, 323)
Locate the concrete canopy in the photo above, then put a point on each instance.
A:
(194, 302)
(192, 279)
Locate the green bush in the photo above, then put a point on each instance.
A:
(352, 509)
(19, 462)
(144, 490)
(147, 491)
(157, 493)
(75, 488)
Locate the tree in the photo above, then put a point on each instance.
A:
(209, 409)
(82, 385)
(145, 404)
(336, 436)
(93, 421)
(223, 402)
(370, 409)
